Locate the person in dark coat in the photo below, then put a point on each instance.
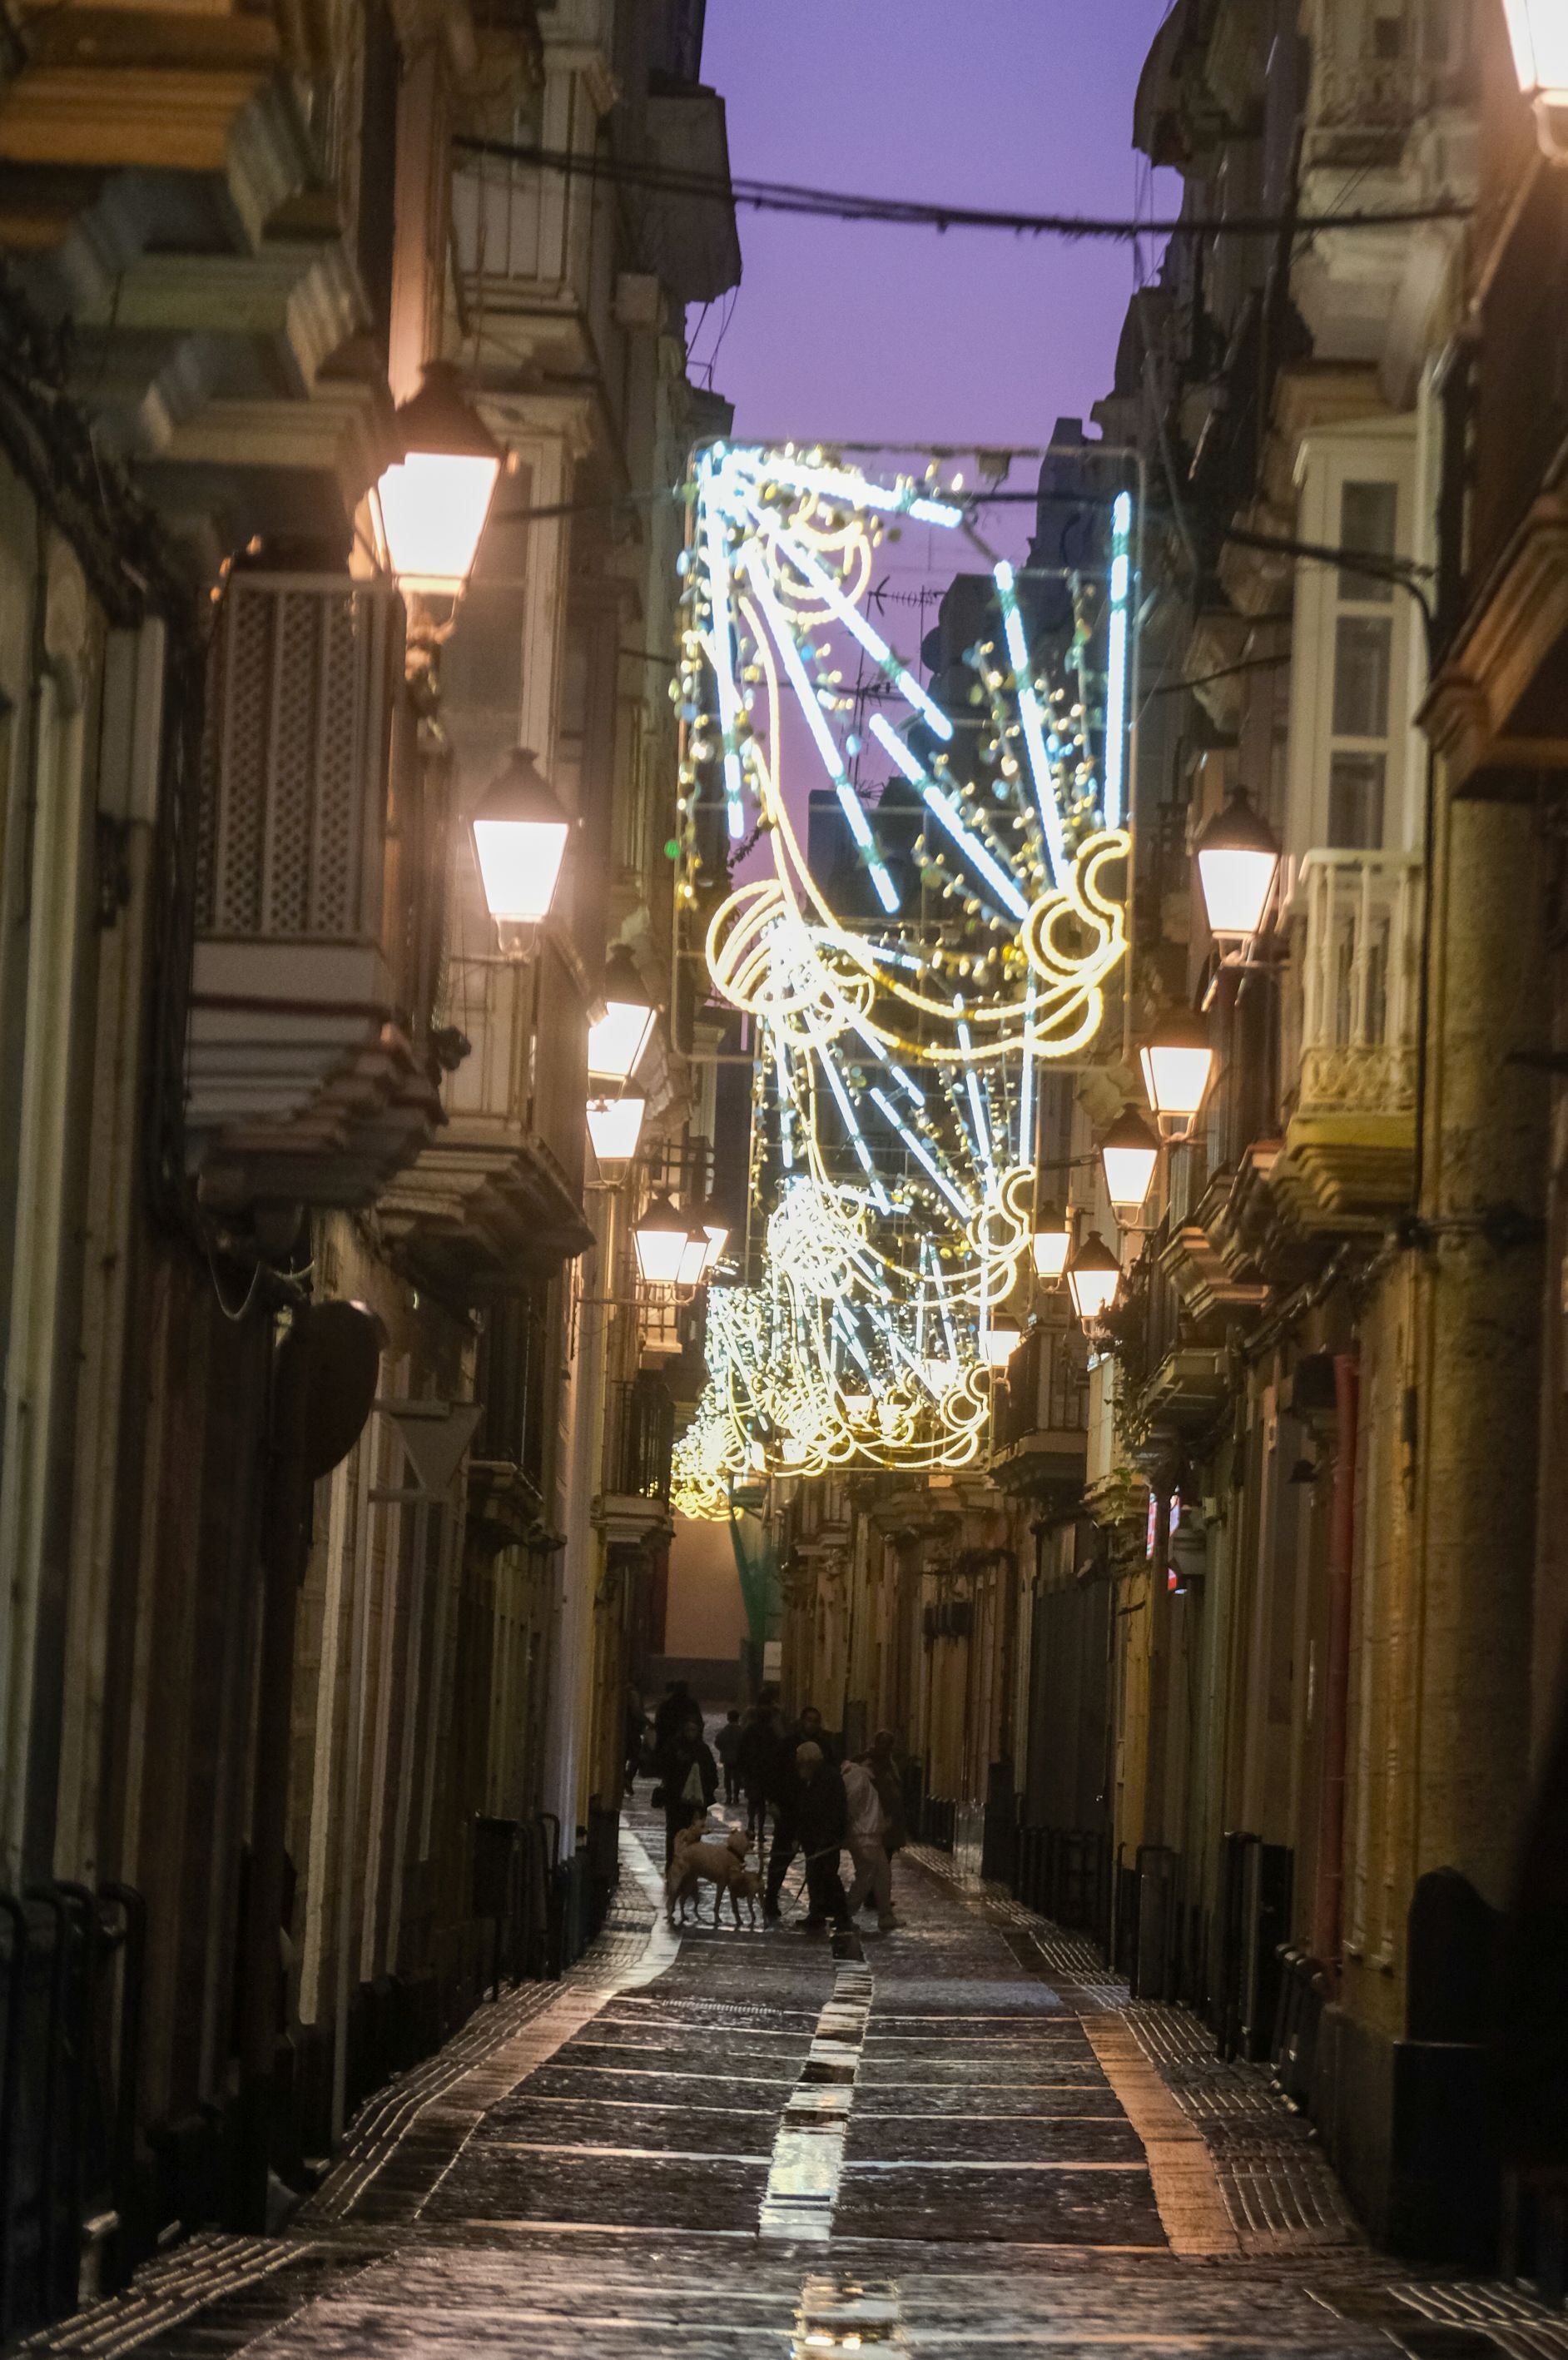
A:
(674, 1707)
(821, 1821)
(754, 1762)
(783, 1786)
(690, 1777)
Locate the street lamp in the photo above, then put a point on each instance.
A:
(1129, 1152)
(693, 1263)
(616, 1043)
(1539, 31)
(1178, 1063)
(1000, 1335)
(1238, 856)
(715, 1230)
(1052, 1241)
(661, 1240)
(434, 501)
(614, 1126)
(1094, 1275)
(519, 841)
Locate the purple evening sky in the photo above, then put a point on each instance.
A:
(859, 332)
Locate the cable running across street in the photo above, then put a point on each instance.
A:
(916, 213)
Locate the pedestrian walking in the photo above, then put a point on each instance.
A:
(761, 1734)
(690, 1777)
(882, 1761)
(865, 1832)
(727, 1745)
(784, 1794)
(821, 1814)
(677, 1702)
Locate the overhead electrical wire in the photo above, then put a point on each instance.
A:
(916, 213)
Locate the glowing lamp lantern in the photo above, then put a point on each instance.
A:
(434, 501)
(693, 1259)
(614, 1126)
(715, 1229)
(1052, 1241)
(1539, 31)
(1094, 1275)
(616, 1043)
(661, 1240)
(1238, 858)
(1000, 1337)
(519, 841)
(1129, 1152)
(1177, 1065)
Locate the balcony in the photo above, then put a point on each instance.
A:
(1390, 116)
(308, 1077)
(1351, 1001)
(639, 1438)
(496, 1200)
(163, 191)
(1039, 1424)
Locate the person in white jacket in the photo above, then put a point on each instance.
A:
(873, 1869)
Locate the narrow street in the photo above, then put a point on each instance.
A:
(723, 2144)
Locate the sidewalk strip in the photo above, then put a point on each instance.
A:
(807, 2152)
(1186, 2186)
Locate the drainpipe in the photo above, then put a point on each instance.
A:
(1329, 1887)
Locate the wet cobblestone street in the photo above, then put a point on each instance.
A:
(730, 2145)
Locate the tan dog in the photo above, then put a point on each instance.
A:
(695, 1862)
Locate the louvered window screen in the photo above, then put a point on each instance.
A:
(303, 675)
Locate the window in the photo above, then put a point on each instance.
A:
(1363, 671)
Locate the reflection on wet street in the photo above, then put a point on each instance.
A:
(730, 2144)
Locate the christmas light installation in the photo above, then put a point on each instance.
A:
(903, 1217)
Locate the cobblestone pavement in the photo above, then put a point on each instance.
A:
(728, 2144)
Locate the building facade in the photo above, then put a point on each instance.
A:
(337, 1422)
(1244, 1654)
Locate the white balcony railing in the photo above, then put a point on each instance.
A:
(1355, 971)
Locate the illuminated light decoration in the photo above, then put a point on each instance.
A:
(1094, 1275)
(1026, 1084)
(839, 1287)
(724, 673)
(1032, 718)
(1129, 1152)
(659, 1241)
(951, 819)
(519, 835)
(849, 802)
(1052, 1241)
(976, 1105)
(1116, 660)
(614, 1126)
(1000, 1335)
(855, 490)
(616, 1043)
(1239, 858)
(855, 622)
(1178, 1063)
(432, 505)
(857, 1136)
(921, 1155)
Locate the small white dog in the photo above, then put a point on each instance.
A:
(723, 1865)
